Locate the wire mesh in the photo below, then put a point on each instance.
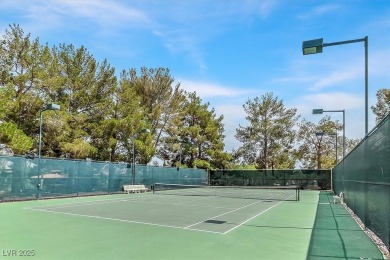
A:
(305, 179)
(28, 178)
(364, 178)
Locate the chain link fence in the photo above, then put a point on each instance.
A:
(28, 178)
(364, 178)
(305, 179)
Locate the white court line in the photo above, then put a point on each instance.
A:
(222, 214)
(136, 200)
(96, 202)
(86, 203)
(183, 203)
(231, 211)
(40, 208)
(242, 223)
(124, 220)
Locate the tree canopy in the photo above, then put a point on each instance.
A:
(103, 114)
(317, 143)
(268, 139)
(382, 107)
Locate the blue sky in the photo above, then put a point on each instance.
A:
(229, 51)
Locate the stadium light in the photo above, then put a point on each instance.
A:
(316, 46)
(51, 106)
(319, 111)
(142, 131)
(312, 46)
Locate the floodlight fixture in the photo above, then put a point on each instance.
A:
(318, 111)
(52, 106)
(316, 46)
(312, 46)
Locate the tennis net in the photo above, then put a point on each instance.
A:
(281, 193)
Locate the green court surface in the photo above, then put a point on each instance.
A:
(157, 226)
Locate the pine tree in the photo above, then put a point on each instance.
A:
(268, 138)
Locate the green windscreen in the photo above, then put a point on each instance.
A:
(364, 178)
(305, 179)
(24, 178)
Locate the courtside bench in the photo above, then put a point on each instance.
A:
(134, 189)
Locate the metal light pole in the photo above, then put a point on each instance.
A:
(51, 106)
(335, 134)
(316, 46)
(320, 111)
(143, 131)
(180, 151)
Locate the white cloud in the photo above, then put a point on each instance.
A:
(186, 26)
(262, 8)
(232, 111)
(64, 14)
(329, 101)
(105, 12)
(108, 14)
(324, 72)
(320, 10)
(182, 41)
(352, 104)
(207, 89)
(379, 63)
(336, 78)
(339, 73)
(181, 26)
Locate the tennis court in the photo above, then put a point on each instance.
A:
(177, 226)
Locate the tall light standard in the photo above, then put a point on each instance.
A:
(51, 106)
(316, 46)
(142, 131)
(320, 111)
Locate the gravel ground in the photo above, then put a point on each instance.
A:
(382, 247)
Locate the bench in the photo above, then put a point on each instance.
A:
(339, 198)
(134, 188)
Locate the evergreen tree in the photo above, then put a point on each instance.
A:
(268, 138)
(161, 100)
(382, 107)
(317, 143)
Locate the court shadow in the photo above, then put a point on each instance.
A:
(213, 221)
(336, 235)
